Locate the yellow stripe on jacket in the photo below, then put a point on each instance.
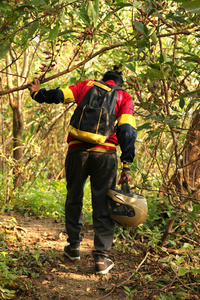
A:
(127, 119)
(68, 95)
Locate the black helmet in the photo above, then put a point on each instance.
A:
(126, 208)
(114, 75)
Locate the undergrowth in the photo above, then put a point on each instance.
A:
(45, 198)
(19, 266)
(178, 260)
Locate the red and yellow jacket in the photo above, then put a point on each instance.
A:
(125, 132)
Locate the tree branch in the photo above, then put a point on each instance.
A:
(187, 32)
(22, 87)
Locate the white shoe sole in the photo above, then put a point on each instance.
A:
(105, 271)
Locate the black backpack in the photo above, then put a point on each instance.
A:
(93, 120)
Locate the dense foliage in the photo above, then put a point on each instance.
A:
(156, 44)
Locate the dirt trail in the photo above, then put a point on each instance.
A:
(63, 279)
(36, 246)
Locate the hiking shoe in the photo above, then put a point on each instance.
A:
(103, 265)
(72, 254)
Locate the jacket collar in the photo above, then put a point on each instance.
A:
(111, 82)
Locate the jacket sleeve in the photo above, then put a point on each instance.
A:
(51, 96)
(54, 96)
(126, 132)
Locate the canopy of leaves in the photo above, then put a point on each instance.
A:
(156, 44)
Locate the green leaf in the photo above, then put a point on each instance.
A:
(146, 31)
(96, 8)
(54, 33)
(171, 122)
(32, 129)
(150, 243)
(8, 294)
(195, 271)
(136, 4)
(67, 31)
(92, 13)
(192, 7)
(21, 9)
(153, 73)
(154, 38)
(38, 2)
(155, 66)
(121, 4)
(139, 26)
(32, 29)
(154, 133)
(4, 6)
(182, 271)
(181, 102)
(4, 47)
(130, 66)
(144, 126)
(141, 43)
(127, 289)
(163, 57)
(84, 16)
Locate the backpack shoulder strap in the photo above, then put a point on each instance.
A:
(118, 88)
(108, 87)
(102, 85)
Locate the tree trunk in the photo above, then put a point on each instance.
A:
(185, 185)
(16, 103)
(18, 127)
(191, 158)
(1, 130)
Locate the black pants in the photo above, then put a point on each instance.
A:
(102, 169)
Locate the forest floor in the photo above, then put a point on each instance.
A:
(37, 245)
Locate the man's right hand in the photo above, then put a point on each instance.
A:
(123, 176)
(34, 86)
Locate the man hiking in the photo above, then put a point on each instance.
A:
(97, 161)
